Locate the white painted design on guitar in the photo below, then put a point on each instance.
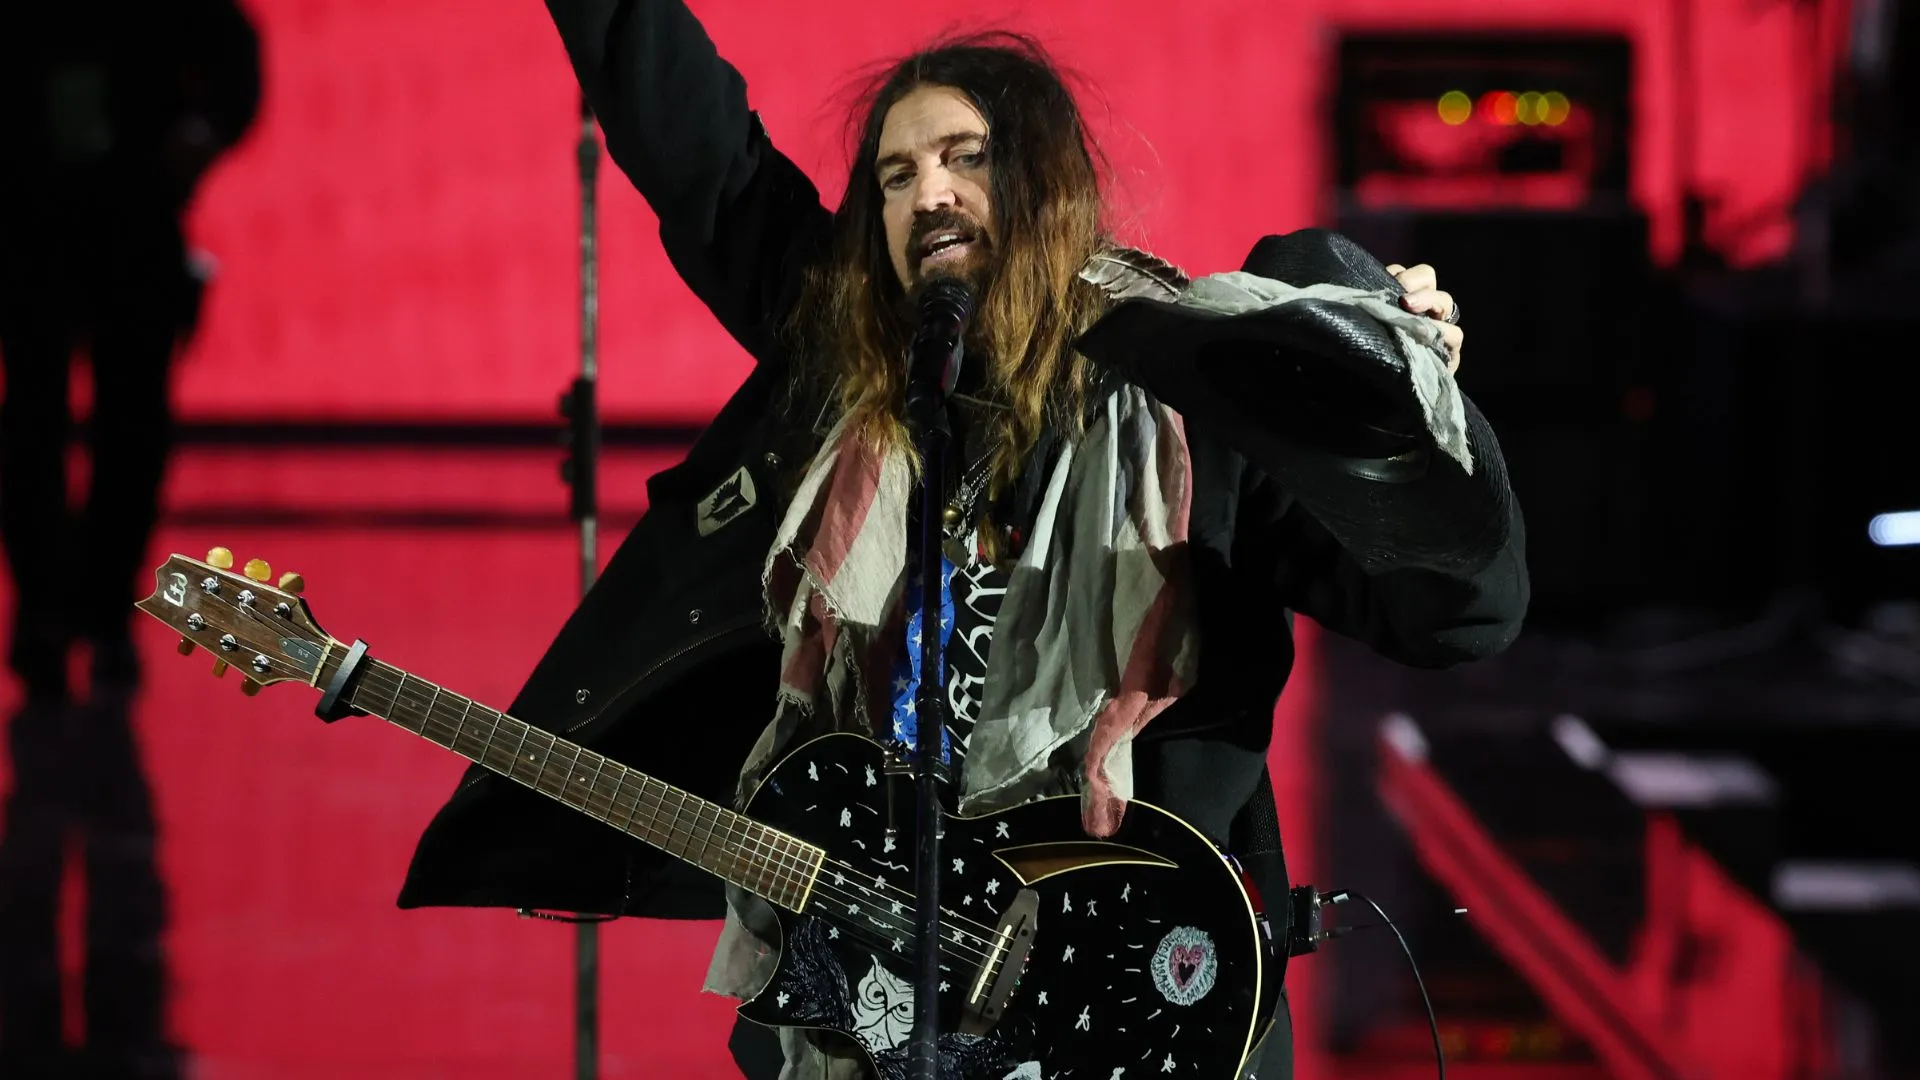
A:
(176, 591)
(882, 1009)
(1185, 965)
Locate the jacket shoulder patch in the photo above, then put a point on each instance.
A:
(734, 496)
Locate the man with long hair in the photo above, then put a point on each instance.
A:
(1149, 475)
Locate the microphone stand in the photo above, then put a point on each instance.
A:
(580, 471)
(929, 770)
(937, 349)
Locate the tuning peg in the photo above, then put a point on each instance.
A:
(185, 648)
(249, 687)
(221, 558)
(258, 570)
(219, 668)
(293, 583)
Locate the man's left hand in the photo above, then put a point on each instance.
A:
(1425, 298)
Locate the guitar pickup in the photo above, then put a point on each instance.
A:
(1007, 958)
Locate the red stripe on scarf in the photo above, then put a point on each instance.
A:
(809, 659)
(1148, 683)
(849, 496)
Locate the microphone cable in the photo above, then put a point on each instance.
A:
(1341, 896)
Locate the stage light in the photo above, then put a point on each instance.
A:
(1835, 885)
(1580, 742)
(1555, 109)
(1498, 106)
(1529, 108)
(1895, 530)
(1456, 108)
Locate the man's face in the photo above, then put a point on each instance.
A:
(933, 175)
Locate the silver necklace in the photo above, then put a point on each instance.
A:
(957, 518)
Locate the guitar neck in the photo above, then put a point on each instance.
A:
(771, 864)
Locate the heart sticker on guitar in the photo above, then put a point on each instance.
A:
(1184, 966)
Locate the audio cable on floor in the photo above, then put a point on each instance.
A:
(1306, 934)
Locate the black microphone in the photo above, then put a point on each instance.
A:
(933, 362)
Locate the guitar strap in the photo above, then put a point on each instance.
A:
(1253, 838)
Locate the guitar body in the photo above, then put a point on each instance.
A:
(1144, 956)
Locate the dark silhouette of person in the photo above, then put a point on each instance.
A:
(110, 114)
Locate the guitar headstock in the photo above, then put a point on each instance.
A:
(264, 630)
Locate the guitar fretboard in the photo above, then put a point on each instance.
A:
(771, 864)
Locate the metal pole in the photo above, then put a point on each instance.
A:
(581, 472)
(930, 726)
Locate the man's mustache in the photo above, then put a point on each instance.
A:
(939, 221)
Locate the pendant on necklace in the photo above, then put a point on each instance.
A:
(954, 547)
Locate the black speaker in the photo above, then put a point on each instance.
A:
(1553, 307)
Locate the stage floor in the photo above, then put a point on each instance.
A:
(283, 840)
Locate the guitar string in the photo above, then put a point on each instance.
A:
(829, 889)
(379, 679)
(875, 930)
(879, 916)
(791, 874)
(780, 862)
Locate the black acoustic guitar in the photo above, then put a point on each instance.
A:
(1135, 956)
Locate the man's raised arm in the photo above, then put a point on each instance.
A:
(737, 218)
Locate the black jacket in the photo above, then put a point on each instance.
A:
(665, 665)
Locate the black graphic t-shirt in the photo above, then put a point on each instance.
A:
(976, 590)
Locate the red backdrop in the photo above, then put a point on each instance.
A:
(398, 235)
(397, 239)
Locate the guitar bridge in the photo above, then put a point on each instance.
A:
(1000, 972)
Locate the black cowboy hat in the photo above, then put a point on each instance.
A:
(1309, 377)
